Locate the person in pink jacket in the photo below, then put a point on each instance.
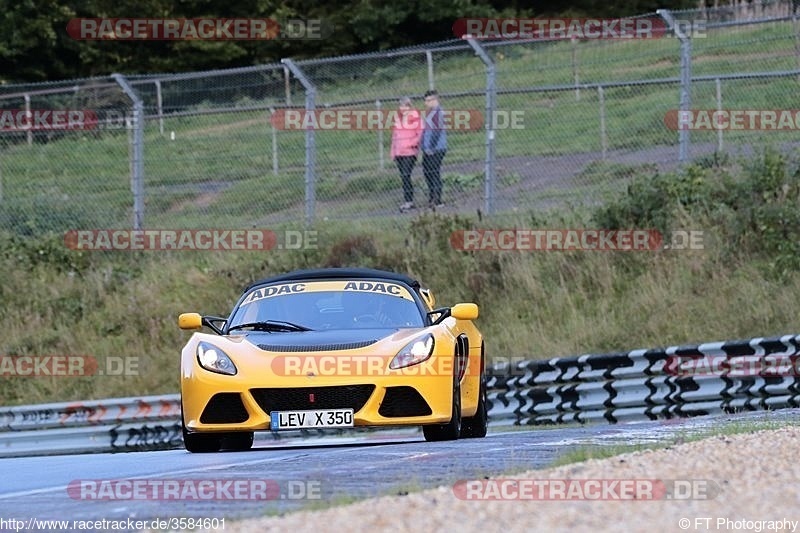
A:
(405, 147)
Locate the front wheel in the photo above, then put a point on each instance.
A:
(239, 441)
(451, 430)
(201, 443)
(475, 427)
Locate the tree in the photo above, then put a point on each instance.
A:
(35, 46)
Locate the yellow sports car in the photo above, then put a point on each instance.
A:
(332, 348)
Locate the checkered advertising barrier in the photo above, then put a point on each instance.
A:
(678, 381)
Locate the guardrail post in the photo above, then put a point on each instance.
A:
(686, 79)
(137, 151)
(311, 147)
(491, 96)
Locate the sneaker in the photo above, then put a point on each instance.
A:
(407, 206)
(438, 205)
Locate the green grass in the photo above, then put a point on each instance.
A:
(533, 305)
(219, 167)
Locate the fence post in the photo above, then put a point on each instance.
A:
(719, 108)
(686, 79)
(311, 146)
(429, 60)
(287, 85)
(137, 156)
(491, 95)
(29, 134)
(274, 142)
(575, 73)
(601, 97)
(796, 29)
(380, 138)
(160, 106)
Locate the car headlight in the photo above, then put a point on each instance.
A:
(413, 353)
(214, 360)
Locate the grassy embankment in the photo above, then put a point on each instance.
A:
(533, 304)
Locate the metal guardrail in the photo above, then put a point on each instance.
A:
(755, 374)
(108, 426)
(118, 424)
(679, 381)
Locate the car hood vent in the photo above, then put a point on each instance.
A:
(330, 347)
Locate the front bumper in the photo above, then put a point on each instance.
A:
(215, 402)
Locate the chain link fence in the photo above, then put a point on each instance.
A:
(549, 122)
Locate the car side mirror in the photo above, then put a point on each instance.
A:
(464, 311)
(190, 321)
(196, 321)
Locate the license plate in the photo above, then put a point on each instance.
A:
(321, 418)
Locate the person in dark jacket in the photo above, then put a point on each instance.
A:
(434, 147)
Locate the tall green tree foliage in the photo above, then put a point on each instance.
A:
(34, 44)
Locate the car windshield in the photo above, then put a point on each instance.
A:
(346, 304)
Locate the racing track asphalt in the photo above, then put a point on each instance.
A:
(342, 470)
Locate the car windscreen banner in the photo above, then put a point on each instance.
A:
(370, 286)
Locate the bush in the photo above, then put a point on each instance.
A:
(754, 210)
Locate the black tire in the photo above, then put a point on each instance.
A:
(214, 442)
(452, 429)
(201, 442)
(239, 441)
(475, 427)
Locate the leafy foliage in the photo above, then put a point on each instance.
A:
(34, 45)
(755, 209)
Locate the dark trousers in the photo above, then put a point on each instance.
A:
(405, 164)
(432, 168)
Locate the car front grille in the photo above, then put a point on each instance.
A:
(300, 398)
(403, 401)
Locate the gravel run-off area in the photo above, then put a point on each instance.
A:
(741, 482)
